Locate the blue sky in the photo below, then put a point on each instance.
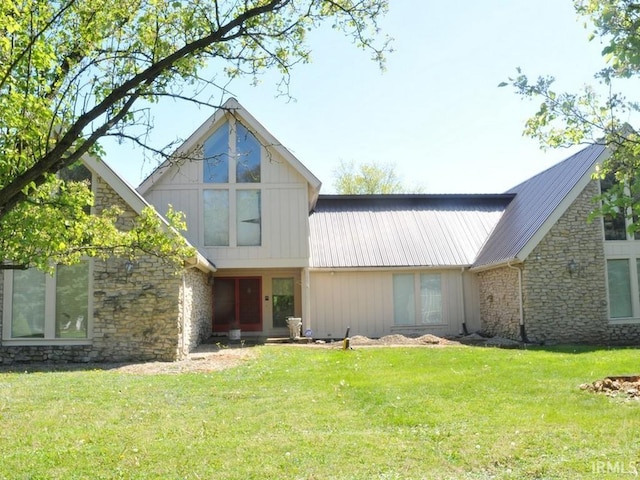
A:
(436, 113)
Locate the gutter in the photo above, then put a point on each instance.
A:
(201, 263)
(523, 333)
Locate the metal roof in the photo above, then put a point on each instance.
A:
(401, 230)
(536, 200)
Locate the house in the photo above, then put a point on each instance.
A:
(525, 264)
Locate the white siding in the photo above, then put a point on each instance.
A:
(284, 197)
(364, 302)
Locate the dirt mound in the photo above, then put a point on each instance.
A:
(397, 339)
(628, 386)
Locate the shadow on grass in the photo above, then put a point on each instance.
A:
(578, 348)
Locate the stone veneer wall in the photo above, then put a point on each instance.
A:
(196, 309)
(499, 302)
(136, 316)
(559, 306)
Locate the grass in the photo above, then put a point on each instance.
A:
(297, 413)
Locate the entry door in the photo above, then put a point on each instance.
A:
(237, 300)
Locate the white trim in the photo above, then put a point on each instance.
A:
(137, 203)
(624, 321)
(493, 266)
(562, 207)
(256, 128)
(399, 269)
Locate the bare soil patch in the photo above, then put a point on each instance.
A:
(211, 357)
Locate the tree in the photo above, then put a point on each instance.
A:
(566, 119)
(368, 178)
(74, 71)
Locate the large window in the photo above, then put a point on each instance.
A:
(417, 299)
(248, 220)
(216, 156)
(247, 156)
(232, 209)
(41, 306)
(622, 253)
(623, 282)
(617, 221)
(216, 217)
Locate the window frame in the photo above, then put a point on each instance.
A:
(233, 186)
(634, 287)
(416, 294)
(49, 313)
(628, 249)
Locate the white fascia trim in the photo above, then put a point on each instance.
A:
(563, 206)
(269, 142)
(502, 264)
(388, 269)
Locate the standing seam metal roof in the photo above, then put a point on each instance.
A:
(401, 230)
(535, 200)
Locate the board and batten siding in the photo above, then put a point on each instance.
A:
(363, 301)
(284, 202)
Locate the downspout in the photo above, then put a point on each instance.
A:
(306, 301)
(523, 333)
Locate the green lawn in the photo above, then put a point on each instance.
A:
(307, 413)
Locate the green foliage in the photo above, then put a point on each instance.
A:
(73, 71)
(565, 119)
(323, 413)
(366, 179)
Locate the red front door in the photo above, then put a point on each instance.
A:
(237, 301)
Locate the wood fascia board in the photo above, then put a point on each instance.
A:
(566, 202)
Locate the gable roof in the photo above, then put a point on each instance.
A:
(233, 107)
(538, 204)
(367, 231)
(137, 203)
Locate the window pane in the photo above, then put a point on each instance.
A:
(248, 156)
(404, 305)
(216, 156)
(619, 288)
(283, 300)
(72, 300)
(431, 298)
(248, 217)
(614, 224)
(216, 217)
(614, 227)
(28, 303)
